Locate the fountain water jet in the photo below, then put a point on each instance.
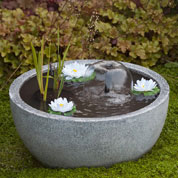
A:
(117, 77)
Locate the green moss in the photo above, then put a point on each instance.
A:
(160, 162)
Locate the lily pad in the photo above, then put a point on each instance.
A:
(70, 113)
(147, 93)
(82, 79)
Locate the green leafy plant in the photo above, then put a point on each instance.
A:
(38, 61)
(69, 113)
(144, 33)
(58, 71)
(155, 91)
(58, 79)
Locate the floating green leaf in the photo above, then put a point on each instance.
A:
(155, 91)
(70, 113)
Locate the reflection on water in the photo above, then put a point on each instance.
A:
(109, 94)
(92, 101)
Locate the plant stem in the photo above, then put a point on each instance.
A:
(47, 77)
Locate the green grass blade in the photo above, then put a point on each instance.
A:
(61, 86)
(55, 80)
(34, 57)
(63, 59)
(47, 77)
(39, 74)
(64, 56)
(40, 63)
(58, 55)
(36, 67)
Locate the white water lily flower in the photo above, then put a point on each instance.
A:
(144, 85)
(61, 105)
(76, 70)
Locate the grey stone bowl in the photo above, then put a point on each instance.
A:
(60, 141)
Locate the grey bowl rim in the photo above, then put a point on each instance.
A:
(19, 81)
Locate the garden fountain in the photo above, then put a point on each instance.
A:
(110, 124)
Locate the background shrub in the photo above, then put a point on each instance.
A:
(139, 31)
(30, 5)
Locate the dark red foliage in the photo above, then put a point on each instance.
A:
(30, 5)
(138, 3)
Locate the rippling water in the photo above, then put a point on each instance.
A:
(91, 100)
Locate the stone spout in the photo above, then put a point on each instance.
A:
(116, 76)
